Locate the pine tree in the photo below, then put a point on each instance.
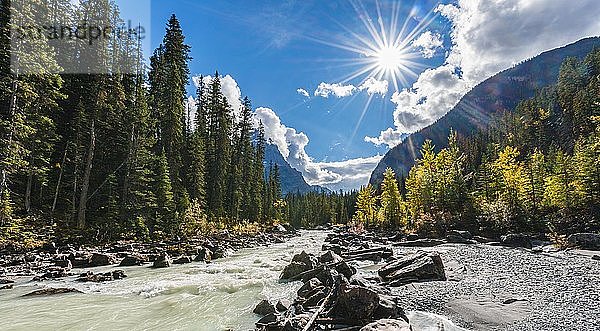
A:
(175, 58)
(257, 177)
(165, 215)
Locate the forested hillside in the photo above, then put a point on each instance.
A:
(109, 156)
(535, 169)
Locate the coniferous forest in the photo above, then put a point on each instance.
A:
(111, 156)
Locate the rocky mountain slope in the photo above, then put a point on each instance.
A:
(292, 180)
(483, 103)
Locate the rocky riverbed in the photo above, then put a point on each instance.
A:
(516, 283)
(528, 285)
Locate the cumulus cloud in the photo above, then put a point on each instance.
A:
(303, 92)
(336, 89)
(374, 86)
(355, 172)
(229, 88)
(488, 36)
(346, 175)
(428, 43)
(389, 137)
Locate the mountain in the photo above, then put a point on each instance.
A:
(292, 180)
(483, 103)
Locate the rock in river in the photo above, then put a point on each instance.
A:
(204, 255)
(162, 261)
(133, 260)
(356, 302)
(101, 277)
(99, 259)
(51, 291)
(183, 260)
(264, 308)
(300, 263)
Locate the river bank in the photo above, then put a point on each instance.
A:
(52, 261)
(478, 286)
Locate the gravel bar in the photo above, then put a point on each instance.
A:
(499, 288)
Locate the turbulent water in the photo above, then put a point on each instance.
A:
(215, 296)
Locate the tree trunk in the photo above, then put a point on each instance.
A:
(85, 185)
(60, 174)
(29, 183)
(130, 162)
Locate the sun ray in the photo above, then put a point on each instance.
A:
(362, 116)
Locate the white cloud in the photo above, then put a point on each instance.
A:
(303, 92)
(428, 43)
(229, 88)
(355, 172)
(346, 175)
(488, 36)
(336, 89)
(374, 86)
(389, 137)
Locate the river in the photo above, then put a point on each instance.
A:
(215, 296)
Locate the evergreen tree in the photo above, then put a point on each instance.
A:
(165, 216)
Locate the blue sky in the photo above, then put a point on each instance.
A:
(268, 48)
(271, 49)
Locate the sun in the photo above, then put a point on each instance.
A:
(389, 58)
(385, 50)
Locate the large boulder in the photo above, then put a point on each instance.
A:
(100, 259)
(418, 267)
(589, 241)
(355, 303)
(80, 259)
(387, 325)
(330, 257)
(344, 269)
(269, 322)
(388, 308)
(204, 255)
(309, 287)
(162, 261)
(300, 263)
(265, 307)
(133, 260)
(183, 260)
(516, 240)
